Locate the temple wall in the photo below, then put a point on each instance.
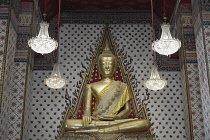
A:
(35, 112)
(202, 30)
(205, 87)
(16, 71)
(134, 40)
(7, 98)
(28, 18)
(4, 98)
(185, 104)
(8, 35)
(203, 80)
(190, 73)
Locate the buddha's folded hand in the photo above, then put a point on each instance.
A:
(86, 120)
(109, 117)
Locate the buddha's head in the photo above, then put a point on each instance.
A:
(107, 62)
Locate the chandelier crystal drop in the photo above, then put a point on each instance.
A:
(55, 81)
(166, 45)
(155, 82)
(43, 43)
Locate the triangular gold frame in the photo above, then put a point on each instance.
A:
(87, 78)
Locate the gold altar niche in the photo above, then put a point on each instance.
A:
(94, 131)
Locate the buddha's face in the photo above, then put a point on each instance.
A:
(107, 66)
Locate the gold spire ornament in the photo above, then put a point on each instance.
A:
(107, 49)
(112, 107)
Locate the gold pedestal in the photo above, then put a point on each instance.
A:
(98, 136)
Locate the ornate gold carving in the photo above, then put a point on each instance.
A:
(25, 19)
(103, 45)
(120, 136)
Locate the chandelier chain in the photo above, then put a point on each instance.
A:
(152, 11)
(58, 35)
(164, 7)
(153, 30)
(45, 10)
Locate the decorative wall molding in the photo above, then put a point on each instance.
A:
(25, 19)
(15, 6)
(6, 2)
(187, 20)
(107, 18)
(197, 24)
(196, 9)
(14, 20)
(4, 12)
(205, 5)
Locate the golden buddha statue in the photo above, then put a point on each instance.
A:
(112, 103)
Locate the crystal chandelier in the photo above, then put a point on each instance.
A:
(43, 43)
(155, 83)
(166, 45)
(55, 81)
